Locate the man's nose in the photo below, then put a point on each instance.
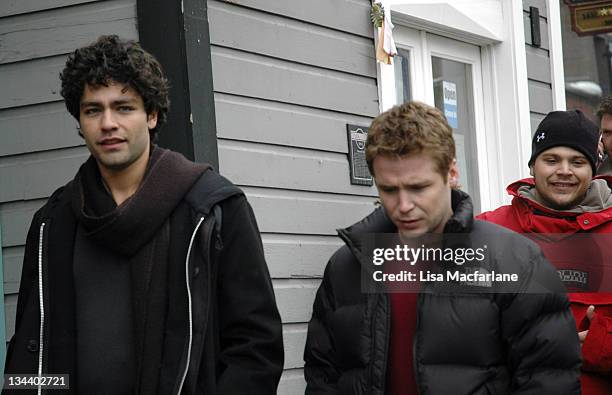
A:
(564, 168)
(108, 120)
(405, 202)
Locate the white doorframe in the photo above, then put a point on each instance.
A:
(556, 55)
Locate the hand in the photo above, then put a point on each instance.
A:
(590, 313)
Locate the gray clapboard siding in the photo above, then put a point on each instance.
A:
(298, 212)
(15, 7)
(37, 175)
(15, 219)
(31, 82)
(543, 30)
(292, 382)
(257, 76)
(60, 31)
(10, 310)
(540, 4)
(538, 64)
(37, 128)
(301, 42)
(535, 120)
(283, 95)
(282, 124)
(344, 15)
(318, 171)
(540, 97)
(295, 256)
(294, 336)
(11, 265)
(294, 299)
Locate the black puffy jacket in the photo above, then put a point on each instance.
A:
(465, 343)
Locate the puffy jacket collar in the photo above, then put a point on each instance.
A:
(378, 221)
(463, 213)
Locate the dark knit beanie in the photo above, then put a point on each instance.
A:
(570, 129)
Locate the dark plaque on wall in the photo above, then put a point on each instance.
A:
(357, 136)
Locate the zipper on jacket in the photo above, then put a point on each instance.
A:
(41, 302)
(387, 340)
(193, 235)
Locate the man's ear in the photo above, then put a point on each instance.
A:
(453, 174)
(531, 170)
(152, 120)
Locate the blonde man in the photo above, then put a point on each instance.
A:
(433, 341)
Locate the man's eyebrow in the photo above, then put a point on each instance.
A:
(408, 185)
(89, 103)
(555, 156)
(127, 100)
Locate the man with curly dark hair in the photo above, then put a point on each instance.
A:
(605, 123)
(145, 274)
(116, 60)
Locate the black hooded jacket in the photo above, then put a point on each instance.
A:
(520, 342)
(221, 332)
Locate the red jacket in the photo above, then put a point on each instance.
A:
(580, 260)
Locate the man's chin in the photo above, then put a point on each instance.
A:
(114, 164)
(563, 204)
(411, 233)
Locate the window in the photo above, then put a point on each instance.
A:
(586, 61)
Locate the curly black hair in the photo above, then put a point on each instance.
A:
(111, 58)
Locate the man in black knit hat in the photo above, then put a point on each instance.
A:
(145, 274)
(569, 214)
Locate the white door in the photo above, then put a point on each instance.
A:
(447, 74)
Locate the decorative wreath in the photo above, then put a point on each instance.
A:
(377, 14)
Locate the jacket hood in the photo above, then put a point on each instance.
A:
(378, 221)
(209, 190)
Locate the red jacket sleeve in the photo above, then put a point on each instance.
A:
(597, 347)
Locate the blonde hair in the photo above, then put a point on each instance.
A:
(412, 128)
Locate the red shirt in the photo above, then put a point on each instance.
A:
(401, 379)
(400, 370)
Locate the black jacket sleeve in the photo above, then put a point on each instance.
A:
(320, 369)
(251, 344)
(538, 326)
